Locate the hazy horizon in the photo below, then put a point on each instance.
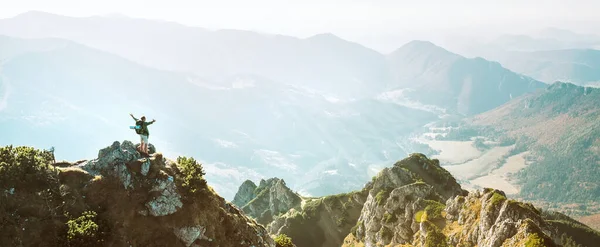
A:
(383, 25)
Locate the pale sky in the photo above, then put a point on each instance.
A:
(347, 18)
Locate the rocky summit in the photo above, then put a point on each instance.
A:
(270, 198)
(424, 214)
(116, 199)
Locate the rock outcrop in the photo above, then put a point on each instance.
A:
(399, 212)
(134, 201)
(271, 198)
(397, 194)
(326, 221)
(245, 194)
(123, 162)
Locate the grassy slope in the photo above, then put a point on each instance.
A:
(560, 124)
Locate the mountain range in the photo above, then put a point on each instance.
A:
(81, 95)
(578, 66)
(318, 116)
(314, 134)
(322, 62)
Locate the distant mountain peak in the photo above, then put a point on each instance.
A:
(325, 36)
(560, 84)
(423, 47)
(422, 44)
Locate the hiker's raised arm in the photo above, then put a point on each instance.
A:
(151, 122)
(133, 117)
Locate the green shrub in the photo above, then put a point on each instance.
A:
(283, 240)
(312, 207)
(192, 176)
(25, 168)
(535, 240)
(434, 209)
(435, 237)
(29, 192)
(83, 230)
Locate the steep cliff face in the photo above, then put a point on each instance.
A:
(399, 193)
(321, 222)
(327, 221)
(487, 218)
(122, 199)
(417, 215)
(245, 194)
(271, 198)
(483, 218)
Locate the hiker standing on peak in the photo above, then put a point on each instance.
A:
(141, 127)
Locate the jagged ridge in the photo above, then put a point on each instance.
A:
(417, 202)
(271, 198)
(418, 214)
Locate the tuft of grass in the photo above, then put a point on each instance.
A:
(420, 216)
(283, 240)
(534, 240)
(382, 195)
(434, 237)
(496, 199)
(389, 218)
(434, 209)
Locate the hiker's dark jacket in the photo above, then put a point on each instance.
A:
(145, 127)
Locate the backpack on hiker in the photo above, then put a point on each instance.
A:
(138, 126)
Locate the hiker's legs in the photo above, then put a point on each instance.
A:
(144, 144)
(141, 149)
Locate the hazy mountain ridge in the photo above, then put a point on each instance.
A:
(247, 121)
(578, 66)
(466, 86)
(313, 61)
(323, 62)
(62, 97)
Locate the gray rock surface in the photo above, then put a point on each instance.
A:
(189, 234)
(145, 167)
(168, 202)
(390, 219)
(245, 194)
(111, 156)
(271, 198)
